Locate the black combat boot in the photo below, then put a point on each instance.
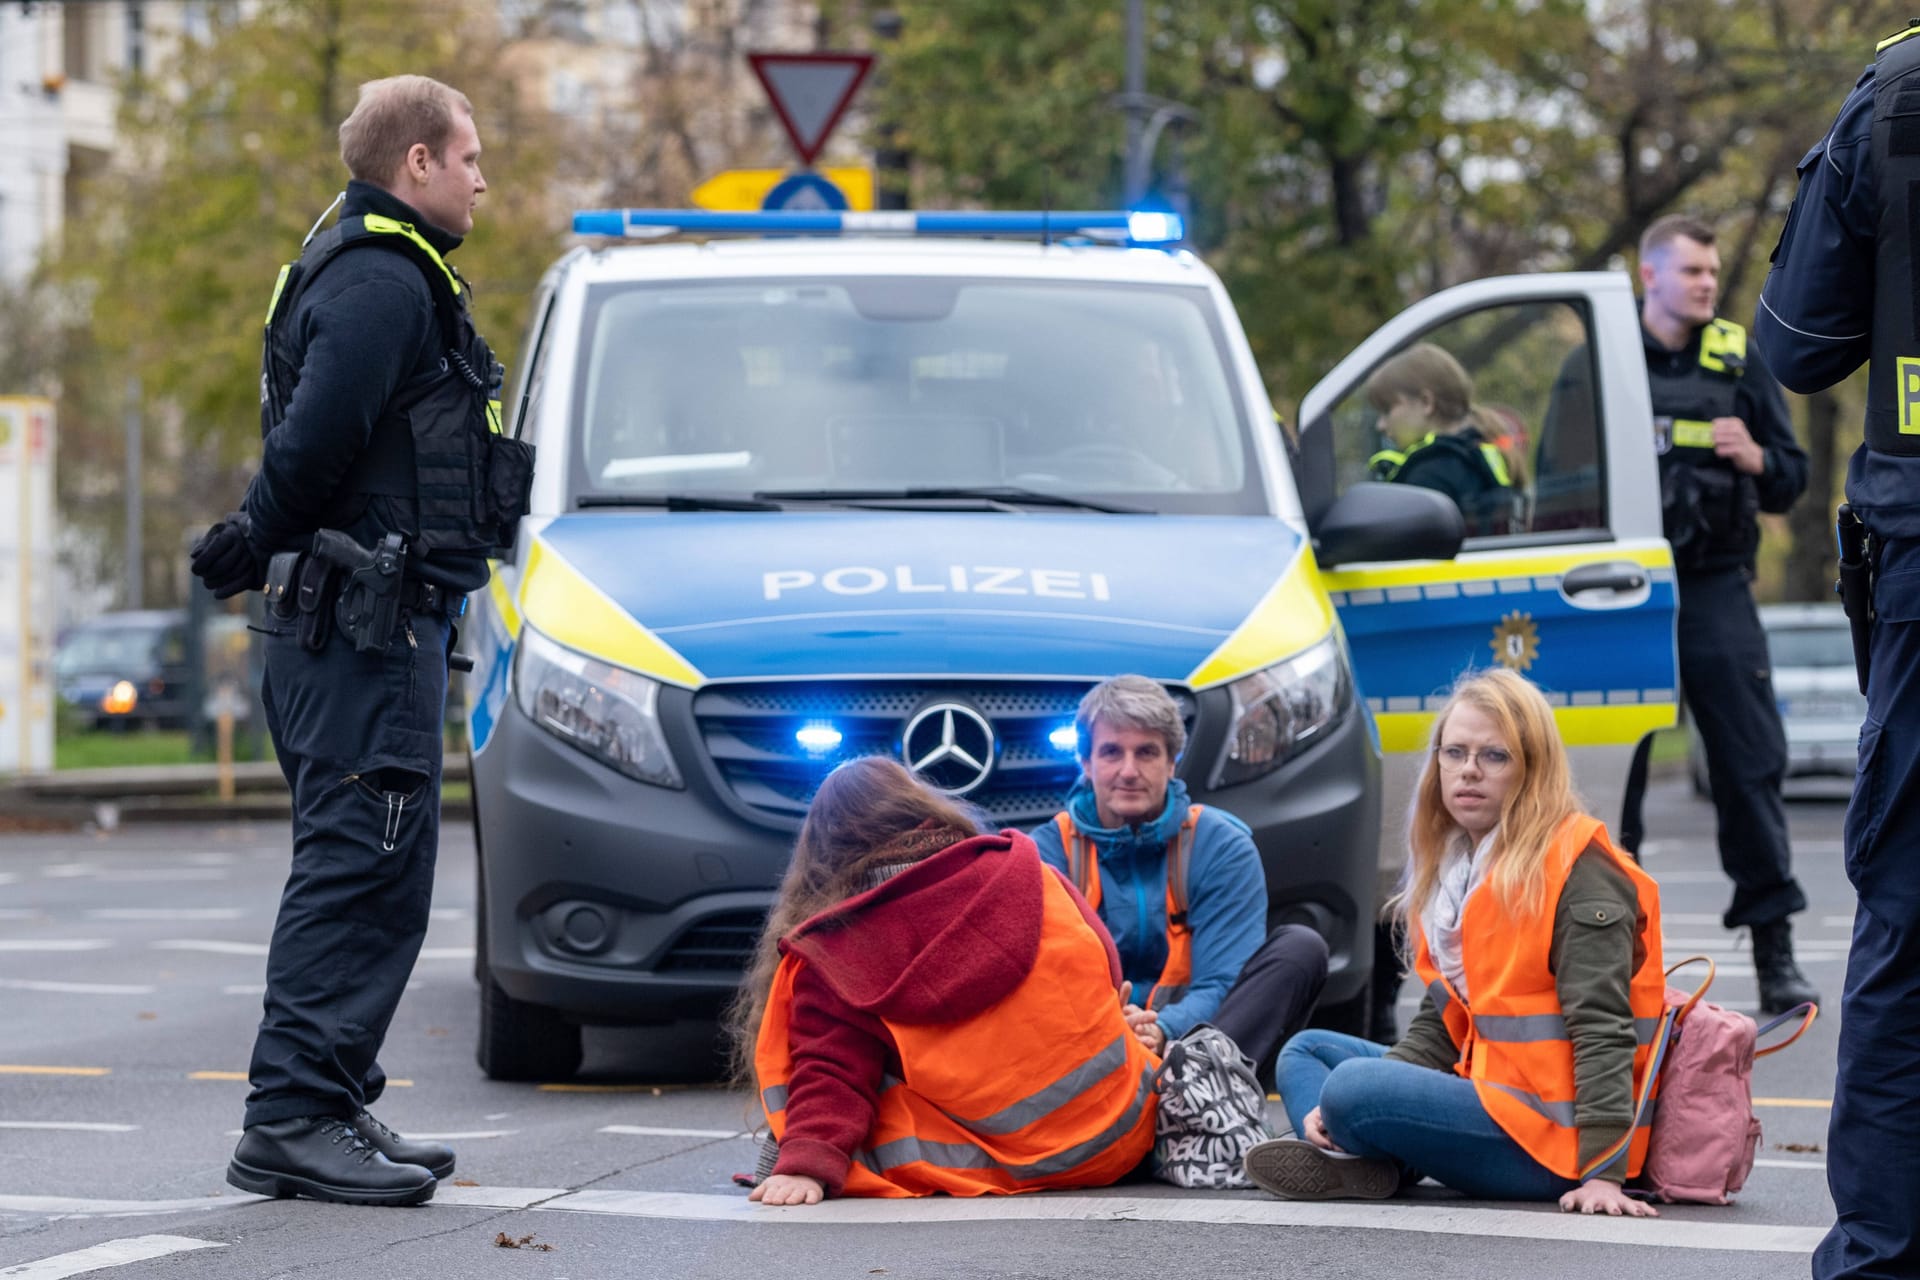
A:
(326, 1158)
(1782, 985)
(431, 1156)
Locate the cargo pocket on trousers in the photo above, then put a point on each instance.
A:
(1867, 808)
(395, 799)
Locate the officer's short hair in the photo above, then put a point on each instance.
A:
(1130, 702)
(1665, 231)
(393, 114)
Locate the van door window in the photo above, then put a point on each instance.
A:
(1497, 410)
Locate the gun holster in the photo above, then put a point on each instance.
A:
(368, 607)
(1857, 555)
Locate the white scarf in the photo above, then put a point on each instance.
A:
(1460, 874)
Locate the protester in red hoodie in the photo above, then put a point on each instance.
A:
(934, 1010)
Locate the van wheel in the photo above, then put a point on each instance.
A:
(520, 1041)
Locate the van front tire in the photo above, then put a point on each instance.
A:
(520, 1041)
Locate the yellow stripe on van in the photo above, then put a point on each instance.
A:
(1293, 615)
(559, 600)
(1405, 731)
(1530, 564)
(503, 601)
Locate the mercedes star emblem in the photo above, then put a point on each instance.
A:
(950, 745)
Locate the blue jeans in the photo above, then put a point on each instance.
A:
(1421, 1119)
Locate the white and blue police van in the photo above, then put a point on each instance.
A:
(814, 485)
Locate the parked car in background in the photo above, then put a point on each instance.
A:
(127, 668)
(1815, 687)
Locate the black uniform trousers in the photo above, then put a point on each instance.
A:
(1873, 1145)
(1726, 678)
(359, 739)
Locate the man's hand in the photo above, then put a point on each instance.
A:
(788, 1188)
(1145, 1025)
(1732, 441)
(224, 559)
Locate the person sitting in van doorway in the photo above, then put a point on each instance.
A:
(1440, 439)
(1179, 885)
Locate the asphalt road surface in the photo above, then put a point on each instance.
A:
(130, 980)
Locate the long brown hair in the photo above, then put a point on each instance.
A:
(1542, 796)
(868, 813)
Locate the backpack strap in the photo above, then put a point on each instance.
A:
(1083, 859)
(1663, 1034)
(1692, 1000)
(1806, 1011)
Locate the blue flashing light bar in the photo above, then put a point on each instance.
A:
(1140, 227)
(1065, 738)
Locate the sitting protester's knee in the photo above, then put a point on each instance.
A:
(1301, 946)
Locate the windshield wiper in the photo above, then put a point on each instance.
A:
(678, 501)
(1006, 496)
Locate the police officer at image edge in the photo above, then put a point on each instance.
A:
(1843, 291)
(384, 485)
(1726, 453)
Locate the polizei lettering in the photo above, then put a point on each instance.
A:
(953, 579)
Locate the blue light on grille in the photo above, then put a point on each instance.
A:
(1065, 738)
(817, 737)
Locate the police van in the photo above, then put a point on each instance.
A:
(813, 486)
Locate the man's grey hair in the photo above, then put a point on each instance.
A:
(1130, 702)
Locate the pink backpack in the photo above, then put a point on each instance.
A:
(1704, 1130)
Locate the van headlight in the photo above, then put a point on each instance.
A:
(606, 711)
(1280, 710)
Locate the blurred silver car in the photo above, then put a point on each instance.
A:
(1813, 681)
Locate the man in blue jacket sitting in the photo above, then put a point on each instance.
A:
(1178, 885)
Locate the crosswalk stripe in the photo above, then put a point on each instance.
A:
(1439, 1219)
(113, 1253)
(69, 1126)
(645, 1132)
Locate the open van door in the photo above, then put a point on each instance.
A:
(1571, 584)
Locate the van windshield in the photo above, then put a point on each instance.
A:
(887, 385)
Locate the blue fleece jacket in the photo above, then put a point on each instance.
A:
(1226, 890)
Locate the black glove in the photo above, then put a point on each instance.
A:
(224, 559)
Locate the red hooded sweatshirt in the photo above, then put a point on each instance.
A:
(939, 942)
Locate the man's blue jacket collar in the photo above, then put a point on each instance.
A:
(1147, 838)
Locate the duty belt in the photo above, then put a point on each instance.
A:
(427, 597)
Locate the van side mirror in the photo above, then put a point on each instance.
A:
(1374, 521)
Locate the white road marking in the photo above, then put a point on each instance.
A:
(446, 953)
(645, 1132)
(1837, 922)
(55, 944)
(148, 874)
(69, 870)
(1791, 1164)
(114, 1253)
(473, 1136)
(449, 913)
(245, 989)
(211, 946)
(164, 913)
(1687, 877)
(8, 877)
(19, 913)
(76, 988)
(1738, 943)
(74, 1126)
(1546, 1223)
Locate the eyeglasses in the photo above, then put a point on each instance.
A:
(1492, 760)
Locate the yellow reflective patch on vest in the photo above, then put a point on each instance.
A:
(1720, 340)
(493, 416)
(1896, 38)
(1906, 378)
(279, 286)
(384, 225)
(1691, 433)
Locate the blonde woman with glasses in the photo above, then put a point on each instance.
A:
(1539, 944)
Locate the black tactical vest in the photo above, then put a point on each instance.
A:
(1893, 378)
(1710, 509)
(437, 446)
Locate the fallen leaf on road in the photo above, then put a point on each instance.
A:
(1796, 1146)
(505, 1241)
(465, 1182)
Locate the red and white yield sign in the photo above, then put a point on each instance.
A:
(810, 92)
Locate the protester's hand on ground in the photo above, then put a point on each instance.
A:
(1314, 1130)
(789, 1188)
(1597, 1195)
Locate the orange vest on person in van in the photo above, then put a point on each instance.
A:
(1083, 868)
(1045, 1088)
(1512, 1039)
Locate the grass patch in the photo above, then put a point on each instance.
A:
(106, 749)
(1670, 745)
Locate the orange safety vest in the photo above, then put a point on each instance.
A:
(1083, 868)
(1513, 1040)
(1046, 1088)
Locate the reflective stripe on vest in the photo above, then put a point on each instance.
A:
(1723, 347)
(1045, 1088)
(1083, 868)
(1512, 1038)
(1386, 464)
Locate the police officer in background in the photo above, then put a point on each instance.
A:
(383, 485)
(1727, 453)
(1843, 291)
